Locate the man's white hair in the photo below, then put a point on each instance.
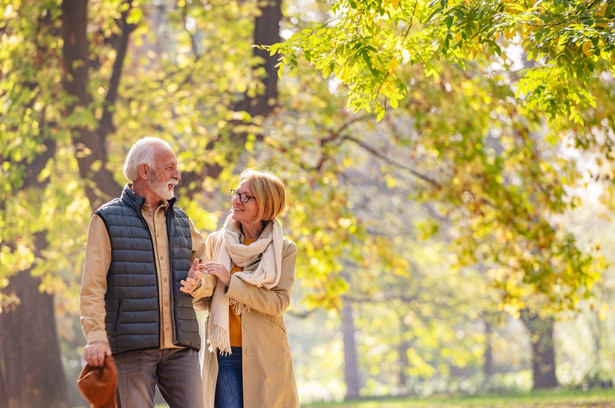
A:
(141, 152)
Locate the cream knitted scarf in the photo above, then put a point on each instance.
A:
(261, 262)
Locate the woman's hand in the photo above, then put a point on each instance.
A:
(217, 269)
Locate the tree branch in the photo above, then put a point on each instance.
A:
(390, 161)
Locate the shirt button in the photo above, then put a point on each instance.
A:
(248, 353)
(162, 257)
(167, 329)
(166, 304)
(247, 326)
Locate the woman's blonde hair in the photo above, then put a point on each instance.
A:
(268, 190)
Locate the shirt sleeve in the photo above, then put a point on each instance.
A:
(94, 281)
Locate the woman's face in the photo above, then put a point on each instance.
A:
(244, 213)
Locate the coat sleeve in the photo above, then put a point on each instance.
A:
(272, 301)
(199, 250)
(202, 297)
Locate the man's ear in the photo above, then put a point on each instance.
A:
(144, 171)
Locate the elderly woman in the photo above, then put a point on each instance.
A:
(248, 362)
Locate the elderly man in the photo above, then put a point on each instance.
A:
(140, 274)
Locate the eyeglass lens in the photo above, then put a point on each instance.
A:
(243, 197)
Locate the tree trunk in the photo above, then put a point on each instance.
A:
(90, 143)
(351, 366)
(488, 354)
(404, 345)
(31, 372)
(543, 349)
(266, 32)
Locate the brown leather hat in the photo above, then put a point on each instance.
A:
(98, 384)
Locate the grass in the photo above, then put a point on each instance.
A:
(595, 398)
(542, 399)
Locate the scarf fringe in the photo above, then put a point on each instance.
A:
(219, 340)
(239, 307)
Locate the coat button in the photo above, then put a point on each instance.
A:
(248, 353)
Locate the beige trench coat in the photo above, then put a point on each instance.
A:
(268, 375)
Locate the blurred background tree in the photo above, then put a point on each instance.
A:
(428, 232)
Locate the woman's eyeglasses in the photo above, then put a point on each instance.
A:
(243, 197)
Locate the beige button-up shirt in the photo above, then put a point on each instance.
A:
(97, 262)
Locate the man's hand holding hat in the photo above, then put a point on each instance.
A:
(94, 353)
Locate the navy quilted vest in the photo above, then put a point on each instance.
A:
(131, 301)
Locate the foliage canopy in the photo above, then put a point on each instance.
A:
(493, 132)
(366, 43)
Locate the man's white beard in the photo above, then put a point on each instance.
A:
(161, 188)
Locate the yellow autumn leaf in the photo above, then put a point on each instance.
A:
(603, 311)
(391, 181)
(393, 64)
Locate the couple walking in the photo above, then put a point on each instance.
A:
(147, 269)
